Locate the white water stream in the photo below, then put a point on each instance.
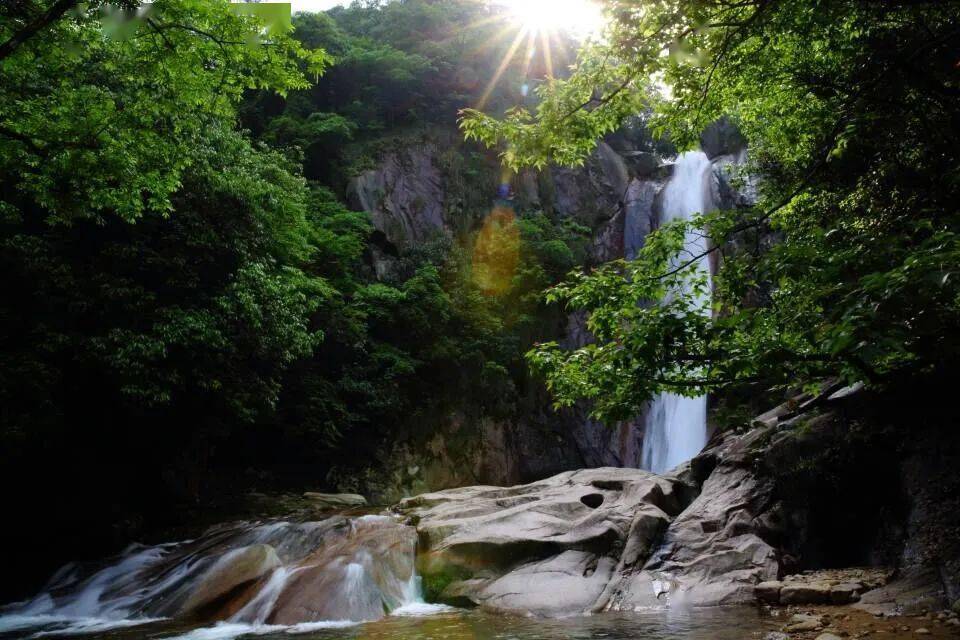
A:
(676, 427)
(247, 578)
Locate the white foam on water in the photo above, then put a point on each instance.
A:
(145, 583)
(230, 630)
(422, 609)
(17, 622)
(94, 625)
(257, 610)
(308, 627)
(414, 605)
(226, 631)
(62, 625)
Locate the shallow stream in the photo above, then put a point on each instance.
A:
(432, 622)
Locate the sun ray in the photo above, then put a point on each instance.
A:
(531, 51)
(547, 53)
(507, 59)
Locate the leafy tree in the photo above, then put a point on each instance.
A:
(851, 111)
(156, 288)
(100, 112)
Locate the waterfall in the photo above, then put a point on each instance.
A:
(676, 427)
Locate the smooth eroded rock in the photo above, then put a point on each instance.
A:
(711, 554)
(565, 583)
(546, 548)
(362, 573)
(229, 573)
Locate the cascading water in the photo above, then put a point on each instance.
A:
(676, 427)
(246, 577)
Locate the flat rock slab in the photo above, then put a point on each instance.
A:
(336, 500)
(813, 593)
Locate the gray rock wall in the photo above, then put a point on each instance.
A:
(412, 198)
(405, 196)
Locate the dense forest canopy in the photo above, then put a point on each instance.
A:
(851, 111)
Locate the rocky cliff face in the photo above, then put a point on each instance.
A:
(417, 193)
(405, 196)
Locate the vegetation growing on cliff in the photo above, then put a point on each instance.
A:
(851, 111)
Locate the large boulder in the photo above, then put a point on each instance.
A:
(722, 138)
(593, 193)
(915, 590)
(606, 539)
(568, 582)
(546, 548)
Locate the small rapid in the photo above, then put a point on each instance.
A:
(238, 579)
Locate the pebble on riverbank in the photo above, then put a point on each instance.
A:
(847, 623)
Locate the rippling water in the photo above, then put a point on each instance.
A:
(429, 622)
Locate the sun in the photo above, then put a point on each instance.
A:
(579, 17)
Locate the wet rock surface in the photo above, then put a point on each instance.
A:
(359, 575)
(248, 573)
(230, 572)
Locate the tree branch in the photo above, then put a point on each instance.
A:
(48, 17)
(19, 137)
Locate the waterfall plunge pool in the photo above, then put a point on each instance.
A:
(433, 622)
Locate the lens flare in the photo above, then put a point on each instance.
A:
(496, 251)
